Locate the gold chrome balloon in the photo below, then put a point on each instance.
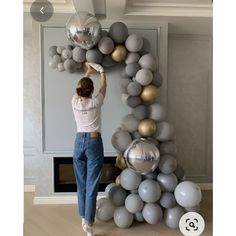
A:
(119, 53)
(150, 93)
(117, 180)
(120, 162)
(147, 127)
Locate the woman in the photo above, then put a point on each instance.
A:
(88, 149)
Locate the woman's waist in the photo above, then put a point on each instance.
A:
(92, 134)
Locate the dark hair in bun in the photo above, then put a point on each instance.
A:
(85, 87)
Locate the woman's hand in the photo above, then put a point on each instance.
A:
(96, 67)
(89, 70)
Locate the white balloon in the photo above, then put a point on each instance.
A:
(129, 179)
(188, 194)
(134, 203)
(152, 213)
(123, 218)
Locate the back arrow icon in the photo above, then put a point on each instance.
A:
(41, 10)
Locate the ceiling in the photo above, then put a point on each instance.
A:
(184, 16)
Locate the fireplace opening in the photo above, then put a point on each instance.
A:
(64, 179)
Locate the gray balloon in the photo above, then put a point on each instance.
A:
(132, 57)
(117, 195)
(151, 175)
(83, 29)
(134, 88)
(136, 135)
(179, 172)
(153, 140)
(56, 58)
(133, 101)
(94, 55)
(167, 182)
(52, 51)
(70, 65)
(108, 188)
(123, 218)
(134, 191)
(66, 54)
(78, 65)
(134, 43)
(157, 80)
(132, 68)
(167, 164)
(188, 194)
(78, 54)
(118, 31)
(60, 49)
(105, 209)
(104, 33)
(168, 148)
(60, 67)
(146, 47)
(105, 45)
(134, 203)
(147, 61)
(139, 217)
(107, 61)
(172, 216)
(141, 112)
(124, 84)
(152, 213)
(130, 123)
(52, 64)
(165, 132)
(193, 209)
(167, 200)
(120, 140)
(157, 112)
(149, 191)
(144, 76)
(129, 179)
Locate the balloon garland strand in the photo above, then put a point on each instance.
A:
(151, 185)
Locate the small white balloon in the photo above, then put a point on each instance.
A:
(60, 67)
(144, 76)
(66, 53)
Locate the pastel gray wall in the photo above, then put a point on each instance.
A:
(190, 102)
(189, 109)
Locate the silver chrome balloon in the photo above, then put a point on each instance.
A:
(142, 156)
(83, 29)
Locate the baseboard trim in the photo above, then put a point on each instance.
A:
(73, 199)
(55, 200)
(60, 199)
(29, 188)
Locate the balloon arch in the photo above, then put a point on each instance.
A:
(151, 185)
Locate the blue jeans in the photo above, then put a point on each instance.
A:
(87, 163)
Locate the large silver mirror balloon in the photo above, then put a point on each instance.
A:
(83, 29)
(142, 156)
